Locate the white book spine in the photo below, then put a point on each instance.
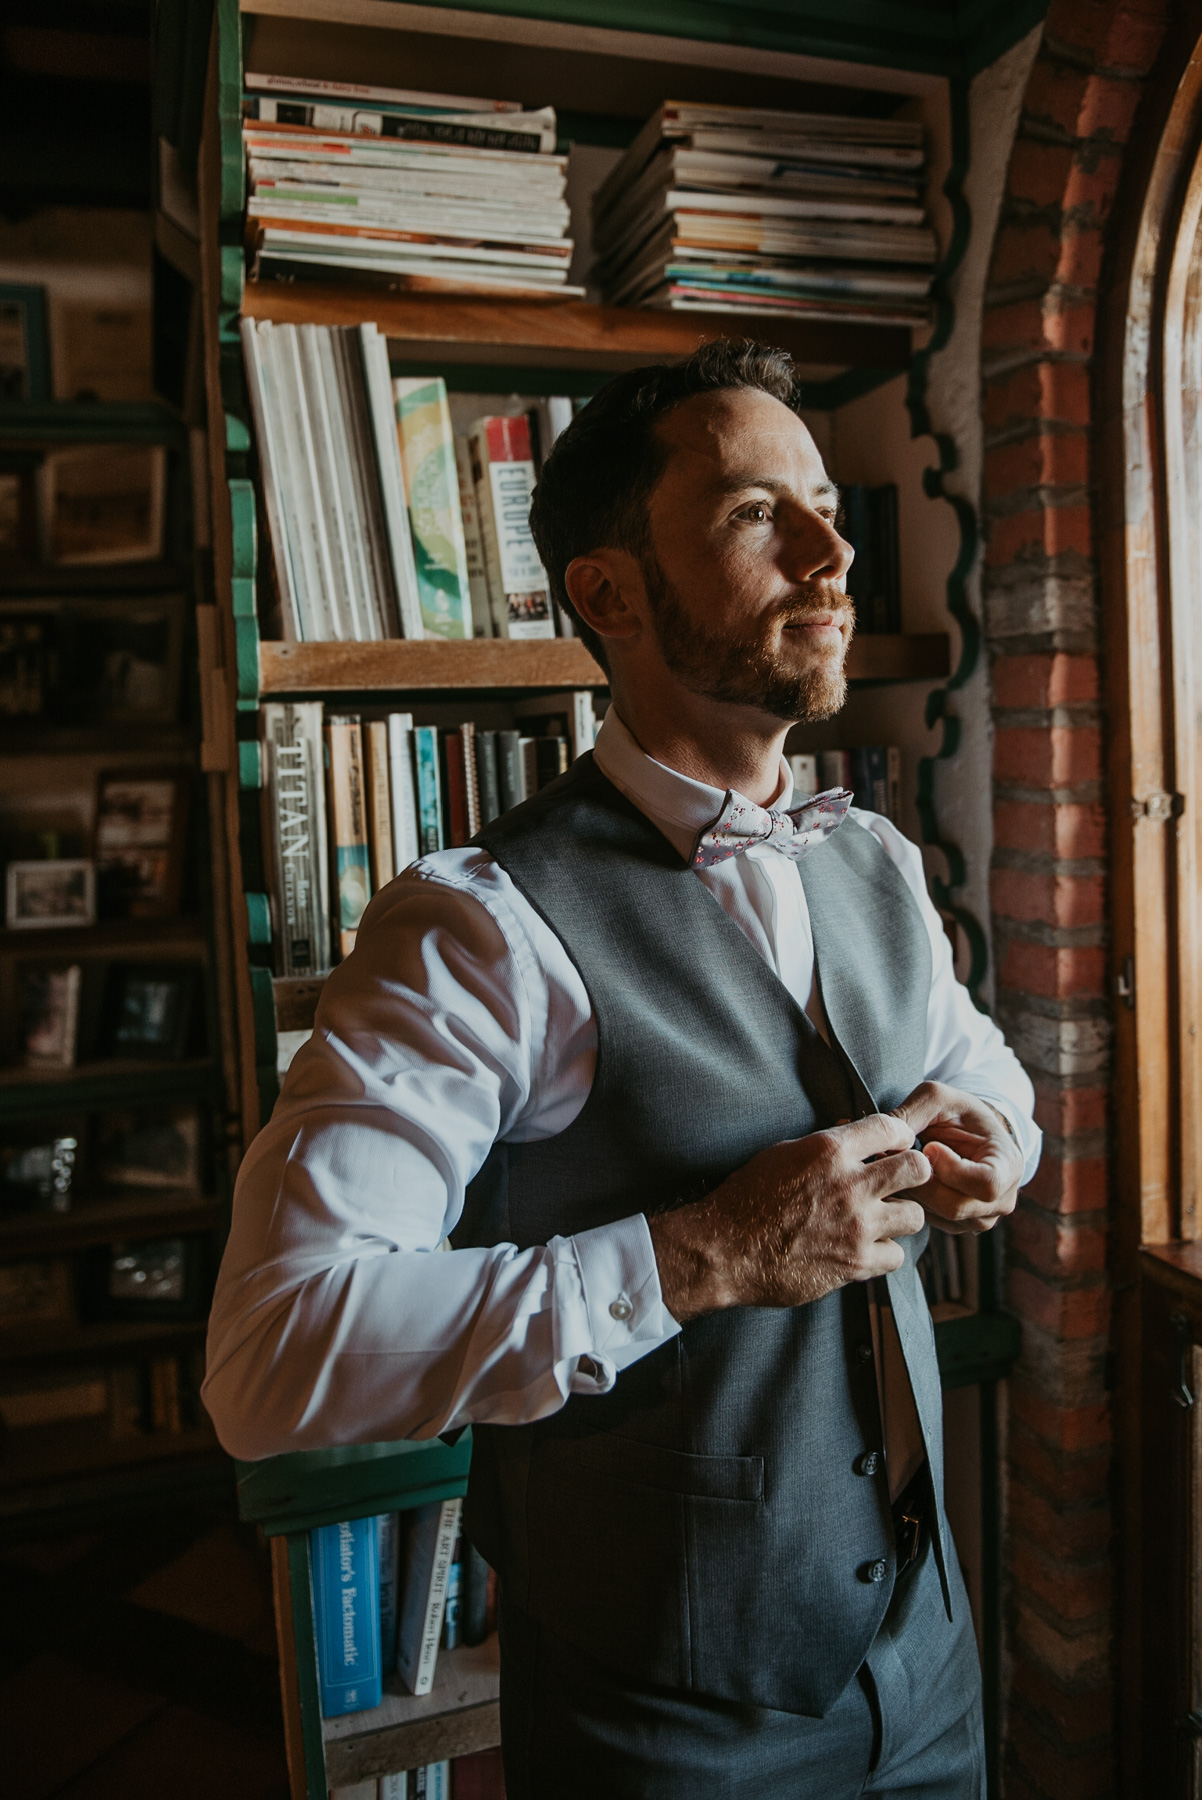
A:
(583, 722)
(264, 404)
(404, 792)
(295, 799)
(306, 490)
(327, 482)
(378, 381)
(377, 574)
(427, 1564)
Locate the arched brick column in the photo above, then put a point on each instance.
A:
(1049, 888)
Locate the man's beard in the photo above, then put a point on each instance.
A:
(750, 670)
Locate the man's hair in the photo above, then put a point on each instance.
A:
(595, 486)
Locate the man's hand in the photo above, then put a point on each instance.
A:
(797, 1221)
(976, 1166)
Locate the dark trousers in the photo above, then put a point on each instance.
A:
(908, 1724)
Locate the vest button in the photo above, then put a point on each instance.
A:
(868, 1463)
(620, 1309)
(864, 1352)
(872, 1572)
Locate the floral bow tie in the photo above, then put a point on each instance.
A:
(741, 825)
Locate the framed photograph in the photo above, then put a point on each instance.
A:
(48, 1015)
(122, 660)
(149, 1148)
(43, 896)
(141, 829)
(24, 342)
(149, 1011)
(102, 503)
(38, 1176)
(162, 1278)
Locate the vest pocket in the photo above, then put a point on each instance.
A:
(671, 1471)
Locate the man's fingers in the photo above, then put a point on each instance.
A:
(877, 1135)
(933, 1100)
(983, 1180)
(896, 1174)
(897, 1218)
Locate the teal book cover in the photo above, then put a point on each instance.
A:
(429, 790)
(346, 1605)
(435, 517)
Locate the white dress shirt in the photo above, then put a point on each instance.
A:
(459, 1020)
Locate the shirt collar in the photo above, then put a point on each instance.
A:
(676, 804)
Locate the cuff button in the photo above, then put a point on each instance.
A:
(872, 1572)
(620, 1309)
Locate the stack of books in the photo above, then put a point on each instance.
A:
(743, 209)
(426, 193)
(352, 801)
(871, 773)
(382, 522)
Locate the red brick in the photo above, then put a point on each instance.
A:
(1068, 327)
(1023, 253)
(1071, 1429)
(1039, 969)
(1076, 1481)
(1070, 1314)
(1069, 1187)
(1058, 94)
(1039, 172)
(1052, 529)
(1060, 1531)
(1015, 325)
(1076, 1716)
(1055, 1248)
(1069, 830)
(1116, 37)
(1073, 1592)
(1089, 190)
(1107, 109)
(1045, 459)
(1064, 393)
(1052, 756)
(1068, 1111)
(1081, 250)
(1061, 900)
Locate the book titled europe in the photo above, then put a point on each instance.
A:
(503, 471)
(346, 1606)
(432, 490)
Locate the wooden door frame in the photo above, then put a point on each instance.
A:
(1149, 333)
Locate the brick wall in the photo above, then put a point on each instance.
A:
(1049, 893)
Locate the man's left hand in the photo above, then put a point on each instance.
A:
(976, 1166)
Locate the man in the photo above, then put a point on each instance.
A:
(657, 1054)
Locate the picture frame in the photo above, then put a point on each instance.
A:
(24, 343)
(149, 1011)
(48, 997)
(158, 1278)
(50, 895)
(102, 503)
(154, 1147)
(139, 842)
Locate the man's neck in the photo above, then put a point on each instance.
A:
(722, 746)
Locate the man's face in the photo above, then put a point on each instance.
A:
(745, 569)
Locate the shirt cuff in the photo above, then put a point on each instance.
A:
(625, 1308)
(1027, 1134)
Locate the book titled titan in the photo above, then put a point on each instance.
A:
(346, 1608)
(295, 803)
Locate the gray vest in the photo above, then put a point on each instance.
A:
(703, 1526)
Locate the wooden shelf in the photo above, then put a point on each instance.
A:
(566, 333)
(141, 938)
(296, 998)
(103, 1342)
(27, 580)
(88, 422)
(140, 1213)
(86, 1447)
(95, 1085)
(500, 666)
(460, 1714)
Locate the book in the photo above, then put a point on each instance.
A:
(479, 1776)
(455, 789)
(429, 790)
(511, 779)
(450, 1620)
(379, 809)
(428, 1550)
(294, 802)
(473, 1595)
(503, 472)
(346, 1609)
(389, 1551)
(377, 379)
(402, 790)
(438, 1781)
(834, 770)
(347, 806)
(432, 491)
(805, 777)
(550, 758)
(487, 776)
(514, 134)
(870, 526)
(258, 82)
(469, 512)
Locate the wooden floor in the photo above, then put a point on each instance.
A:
(138, 1663)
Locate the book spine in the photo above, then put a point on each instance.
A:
(306, 509)
(377, 376)
(294, 797)
(396, 1786)
(477, 574)
(432, 487)
(503, 469)
(403, 790)
(511, 780)
(473, 1595)
(348, 827)
(341, 464)
(429, 790)
(389, 1550)
(487, 781)
(471, 780)
(893, 782)
(582, 723)
(432, 1535)
(383, 866)
(438, 1781)
(528, 749)
(834, 769)
(264, 405)
(551, 758)
(877, 773)
(455, 788)
(450, 1621)
(326, 486)
(366, 500)
(805, 777)
(346, 1600)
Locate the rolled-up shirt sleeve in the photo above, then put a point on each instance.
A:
(337, 1318)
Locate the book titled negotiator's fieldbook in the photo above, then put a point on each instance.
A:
(346, 1602)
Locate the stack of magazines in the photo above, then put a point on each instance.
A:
(742, 209)
(431, 193)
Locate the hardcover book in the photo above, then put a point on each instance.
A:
(432, 488)
(348, 826)
(346, 1607)
(428, 1552)
(503, 471)
(294, 799)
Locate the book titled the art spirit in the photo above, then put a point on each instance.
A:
(346, 1604)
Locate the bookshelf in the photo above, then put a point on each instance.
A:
(64, 1466)
(606, 72)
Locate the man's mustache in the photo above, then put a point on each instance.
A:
(815, 598)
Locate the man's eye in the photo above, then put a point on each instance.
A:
(757, 512)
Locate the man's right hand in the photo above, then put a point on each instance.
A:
(797, 1221)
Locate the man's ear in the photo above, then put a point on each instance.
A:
(606, 588)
